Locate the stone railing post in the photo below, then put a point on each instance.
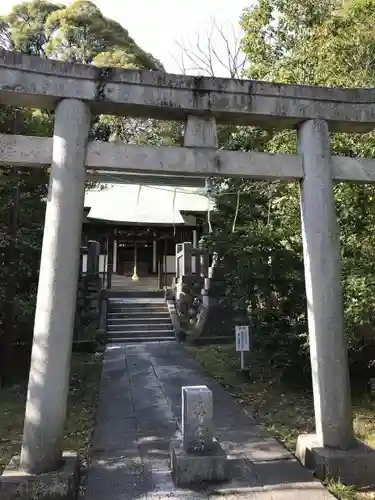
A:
(93, 254)
(92, 282)
(197, 257)
(204, 260)
(56, 300)
(187, 259)
(321, 249)
(110, 247)
(162, 272)
(80, 268)
(178, 259)
(204, 263)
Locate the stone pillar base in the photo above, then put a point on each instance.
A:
(61, 484)
(197, 467)
(355, 466)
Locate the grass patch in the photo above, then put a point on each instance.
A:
(340, 490)
(84, 385)
(285, 409)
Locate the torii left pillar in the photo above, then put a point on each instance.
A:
(56, 301)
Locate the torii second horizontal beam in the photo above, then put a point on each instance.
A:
(166, 161)
(180, 165)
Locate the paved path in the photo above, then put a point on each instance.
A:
(138, 414)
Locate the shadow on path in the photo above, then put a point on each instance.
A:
(139, 412)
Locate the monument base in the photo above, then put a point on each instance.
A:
(353, 467)
(61, 484)
(197, 467)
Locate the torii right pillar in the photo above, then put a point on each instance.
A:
(333, 451)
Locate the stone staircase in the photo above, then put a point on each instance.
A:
(138, 320)
(125, 283)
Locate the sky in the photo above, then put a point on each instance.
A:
(159, 26)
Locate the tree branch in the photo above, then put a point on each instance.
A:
(220, 53)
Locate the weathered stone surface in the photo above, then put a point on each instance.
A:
(197, 457)
(56, 299)
(35, 82)
(61, 484)
(116, 475)
(197, 427)
(197, 467)
(271, 480)
(200, 132)
(197, 163)
(252, 442)
(321, 251)
(354, 466)
(174, 319)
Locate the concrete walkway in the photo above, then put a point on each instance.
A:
(139, 412)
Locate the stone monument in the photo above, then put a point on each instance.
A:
(197, 457)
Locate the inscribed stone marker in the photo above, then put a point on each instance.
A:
(197, 427)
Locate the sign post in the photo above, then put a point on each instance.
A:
(242, 342)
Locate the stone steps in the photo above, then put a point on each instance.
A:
(136, 308)
(137, 334)
(138, 312)
(133, 340)
(150, 320)
(126, 327)
(138, 320)
(156, 316)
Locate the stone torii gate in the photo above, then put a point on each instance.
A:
(76, 92)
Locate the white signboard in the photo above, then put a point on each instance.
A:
(242, 338)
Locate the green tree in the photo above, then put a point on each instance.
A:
(79, 33)
(317, 43)
(76, 33)
(21, 229)
(24, 28)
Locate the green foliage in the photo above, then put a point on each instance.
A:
(284, 408)
(80, 33)
(276, 32)
(81, 407)
(308, 42)
(32, 191)
(75, 33)
(262, 265)
(340, 490)
(24, 28)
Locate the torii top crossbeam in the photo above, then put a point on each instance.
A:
(40, 83)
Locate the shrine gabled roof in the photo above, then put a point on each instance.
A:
(141, 204)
